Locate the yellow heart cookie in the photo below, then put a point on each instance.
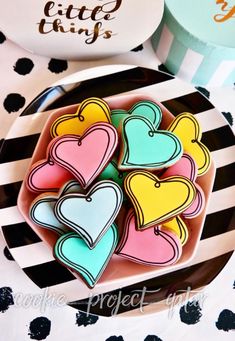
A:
(90, 111)
(158, 200)
(179, 227)
(187, 129)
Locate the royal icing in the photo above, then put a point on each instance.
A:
(90, 111)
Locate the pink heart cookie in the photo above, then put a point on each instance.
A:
(85, 156)
(46, 175)
(151, 246)
(186, 166)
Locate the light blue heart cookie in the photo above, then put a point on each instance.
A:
(42, 208)
(92, 214)
(73, 252)
(146, 108)
(145, 147)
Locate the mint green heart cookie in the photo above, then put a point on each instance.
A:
(72, 251)
(111, 172)
(147, 109)
(42, 208)
(145, 147)
(92, 214)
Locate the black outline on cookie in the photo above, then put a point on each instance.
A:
(136, 203)
(125, 164)
(82, 230)
(82, 270)
(157, 232)
(197, 138)
(78, 139)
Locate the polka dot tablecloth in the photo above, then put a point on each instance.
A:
(28, 313)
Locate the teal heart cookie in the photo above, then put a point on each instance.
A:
(147, 109)
(111, 172)
(73, 252)
(92, 214)
(145, 147)
(42, 208)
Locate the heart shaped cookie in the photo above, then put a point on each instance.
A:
(85, 156)
(90, 111)
(150, 247)
(158, 200)
(111, 172)
(146, 108)
(46, 175)
(178, 226)
(188, 130)
(71, 251)
(186, 166)
(42, 208)
(145, 147)
(92, 214)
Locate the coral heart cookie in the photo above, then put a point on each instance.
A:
(85, 156)
(71, 251)
(147, 109)
(186, 166)
(188, 130)
(145, 147)
(178, 226)
(92, 214)
(90, 111)
(158, 200)
(150, 247)
(42, 208)
(46, 175)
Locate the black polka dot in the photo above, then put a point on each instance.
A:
(39, 328)
(226, 320)
(138, 48)
(7, 253)
(13, 102)
(115, 338)
(228, 117)
(204, 91)
(57, 65)
(234, 285)
(2, 38)
(191, 313)
(163, 68)
(152, 338)
(84, 319)
(23, 66)
(6, 299)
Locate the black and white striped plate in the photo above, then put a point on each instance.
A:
(218, 238)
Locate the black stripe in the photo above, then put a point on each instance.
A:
(18, 148)
(19, 234)
(9, 194)
(218, 223)
(218, 138)
(103, 86)
(192, 277)
(193, 103)
(225, 177)
(48, 274)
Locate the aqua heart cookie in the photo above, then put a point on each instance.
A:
(111, 172)
(46, 175)
(71, 251)
(156, 200)
(146, 108)
(90, 111)
(188, 130)
(92, 214)
(149, 247)
(186, 166)
(85, 156)
(41, 211)
(147, 148)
